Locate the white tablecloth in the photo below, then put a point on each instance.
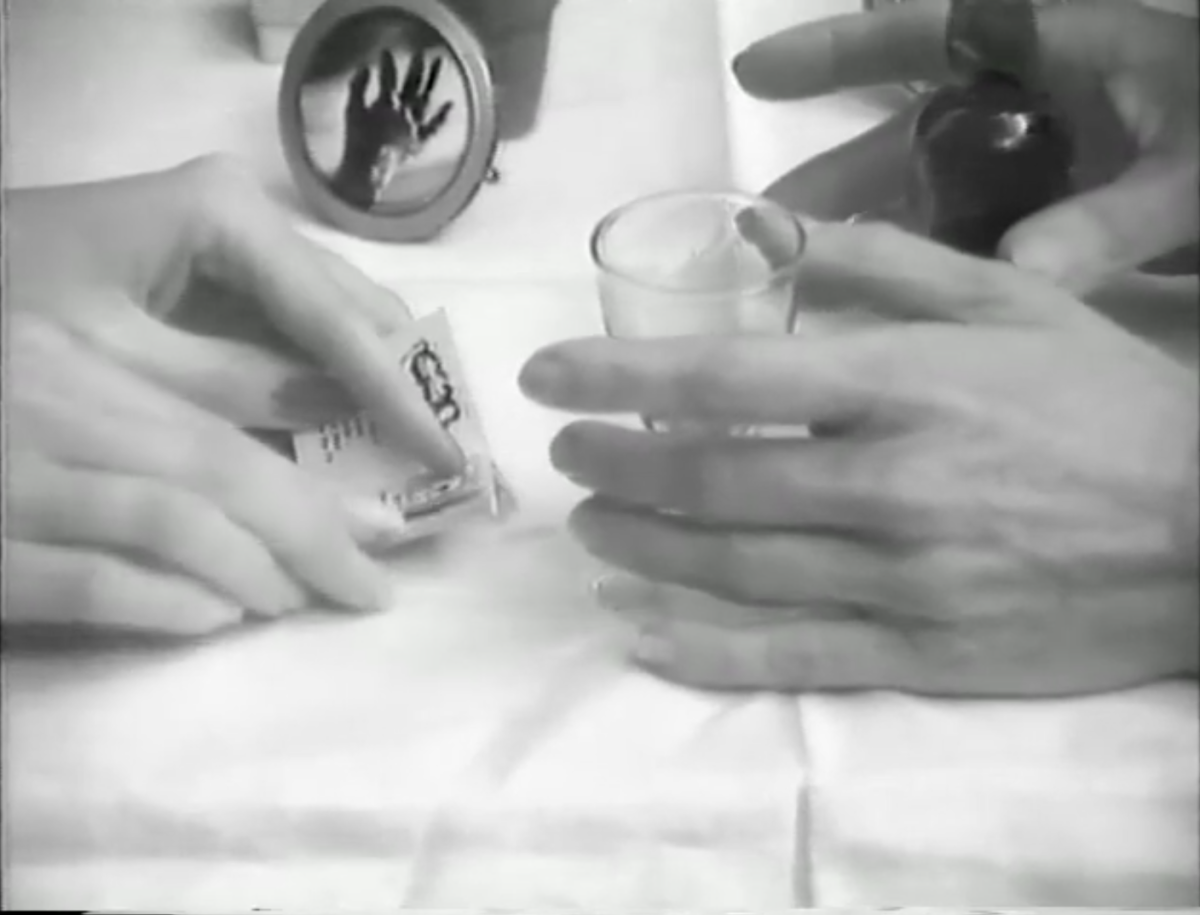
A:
(485, 744)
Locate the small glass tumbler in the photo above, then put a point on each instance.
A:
(688, 263)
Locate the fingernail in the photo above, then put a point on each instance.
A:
(206, 618)
(541, 376)
(400, 320)
(373, 524)
(754, 228)
(739, 65)
(583, 527)
(288, 597)
(752, 69)
(378, 592)
(1042, 259)
(564, 452)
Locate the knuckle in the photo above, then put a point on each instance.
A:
(222, 192)
(945, 647)
(878, 242)
(702, 387)
(262, 492)
(220, 175)
(897, 488)
(993, 283)
(791, 661)
(918, 589)
(729, 569)
(219, 465)
(693, 478)
(165, 521)
(879, 237)
(353, 332)
(97, 584)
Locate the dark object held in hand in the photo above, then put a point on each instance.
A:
(990, 151)
(985, 156)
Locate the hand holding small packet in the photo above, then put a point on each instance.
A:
(419, 502)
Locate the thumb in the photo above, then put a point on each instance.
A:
(863, 174)
(1083, 241)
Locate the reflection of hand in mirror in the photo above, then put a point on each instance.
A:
(382, 135)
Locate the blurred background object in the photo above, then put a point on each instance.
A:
(1183, 7)
(516, 34)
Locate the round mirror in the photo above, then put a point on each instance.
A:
(387, 116)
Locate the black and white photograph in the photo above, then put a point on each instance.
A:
(600, 456)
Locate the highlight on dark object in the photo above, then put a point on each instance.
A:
(984, 157)
(993, 149)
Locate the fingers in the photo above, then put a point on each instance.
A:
(50, 584)
(250, 386)
(431, 81)
(905, 42)
(410, 92)
(790, 655)
(759, 380)
(434, 124)
(897, 43)
(389, 78)
(827, 484)
(1112, 37)
(358, 89)
(144, 518)
(386, 311)
(900, 275)
(1080, 243)
(247, 244)
(279, 504)
(50, 362)
(859, 176)
(849, 380)
(753, 567)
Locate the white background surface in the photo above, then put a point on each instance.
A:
(485, 743)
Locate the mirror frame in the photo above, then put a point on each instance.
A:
(425, 222)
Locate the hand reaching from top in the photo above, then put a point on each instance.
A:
(1127, 77)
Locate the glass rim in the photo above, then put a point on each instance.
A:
(748, 200)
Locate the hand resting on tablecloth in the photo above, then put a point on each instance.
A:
(134, 499)
(1126, 77)
(1000, 497)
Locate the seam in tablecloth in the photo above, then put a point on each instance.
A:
(803, 892)
(503, 753)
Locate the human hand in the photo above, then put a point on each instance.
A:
(291, 334)
(999, 498)
(382, 134)
(129, 508)
(1125, 76)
